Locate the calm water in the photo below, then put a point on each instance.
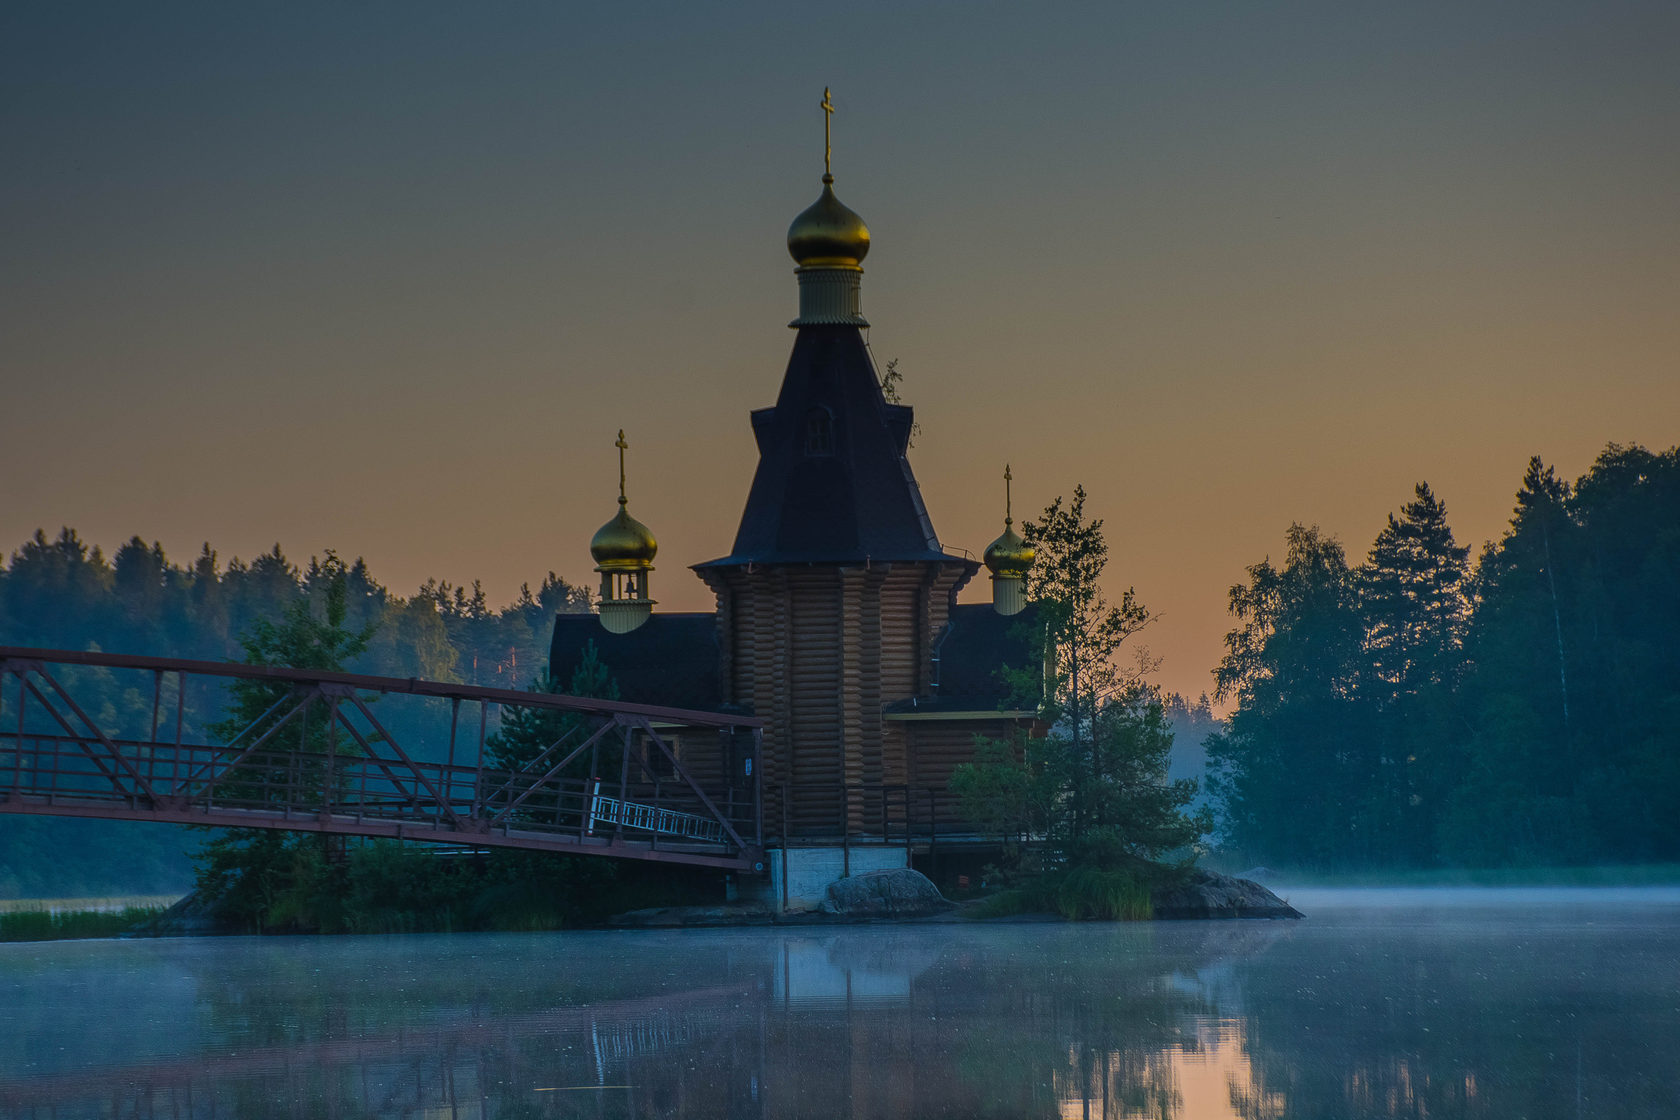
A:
(1411, 1003)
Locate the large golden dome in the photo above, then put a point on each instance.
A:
(1009, 556)
(827, 234)
(623, 544)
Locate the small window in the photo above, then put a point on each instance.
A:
(654, 759)
(819, 431)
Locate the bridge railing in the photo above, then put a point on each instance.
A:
(360, 778)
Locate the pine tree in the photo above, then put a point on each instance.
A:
(1413, 594)
(1097, 786)
(262, 878)
(1413, 598)
(528, 732)
(1083, 632)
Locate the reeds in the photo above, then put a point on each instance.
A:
(67, 925)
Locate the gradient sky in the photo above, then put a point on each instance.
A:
(388, 279)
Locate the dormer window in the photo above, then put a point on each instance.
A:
(819, 432)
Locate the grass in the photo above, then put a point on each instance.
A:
(65, 924)
(1080, 894)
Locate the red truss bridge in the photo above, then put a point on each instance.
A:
(118, 737)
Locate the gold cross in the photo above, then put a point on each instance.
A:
(1007, 479)
(828, 115)
(621, 445)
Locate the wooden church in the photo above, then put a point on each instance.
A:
(837, 617)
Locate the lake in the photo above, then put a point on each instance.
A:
(1404, 1003)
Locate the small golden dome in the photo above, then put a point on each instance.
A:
(828, 234)
(1009, 556)
(623, 544)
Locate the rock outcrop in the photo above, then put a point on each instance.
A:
(1208, 894)
(189, 917)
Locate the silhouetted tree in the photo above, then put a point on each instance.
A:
(1414, 603)
(1096, 787)
(1293, 768)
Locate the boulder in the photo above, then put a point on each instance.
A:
(189, 917)
(1208, 894)
(895, 893)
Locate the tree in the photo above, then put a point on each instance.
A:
(261, 878)
(1414, 604)
(1096, 787)
(891, 378)
(144, 585)
(207, 609)
(1571, 701)
(1413, 598)
(58, 592)
(1083, 632)
(1138, 811)
(527, 732)
(1292, 771)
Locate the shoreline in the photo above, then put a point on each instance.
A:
(1446, 887)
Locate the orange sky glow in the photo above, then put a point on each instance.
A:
(389, 281)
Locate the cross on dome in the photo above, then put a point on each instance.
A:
(828, 151)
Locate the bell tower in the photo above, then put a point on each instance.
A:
(833, 600)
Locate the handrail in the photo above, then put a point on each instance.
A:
(409, 685)
(59, 760)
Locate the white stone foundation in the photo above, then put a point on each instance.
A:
(811, 870)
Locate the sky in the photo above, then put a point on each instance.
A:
(388, 279)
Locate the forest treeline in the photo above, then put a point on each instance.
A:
(62, 593)
(1418, 709)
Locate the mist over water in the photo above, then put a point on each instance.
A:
(1406, 1003)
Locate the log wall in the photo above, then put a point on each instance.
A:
(819, 650)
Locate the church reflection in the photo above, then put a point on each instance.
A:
(907, 1022)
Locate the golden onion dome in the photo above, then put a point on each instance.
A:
(828, 234)
(623, 544)
(1009, 556)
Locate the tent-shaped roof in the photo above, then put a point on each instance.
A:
(833, 483)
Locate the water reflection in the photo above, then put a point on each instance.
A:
(1507, 1009)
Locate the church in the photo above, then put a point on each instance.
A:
(837, 618)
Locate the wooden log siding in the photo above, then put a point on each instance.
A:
(771, 685)
(752, 609)
(900, 639)
(938, 749)
(819, 651)
(855, 665)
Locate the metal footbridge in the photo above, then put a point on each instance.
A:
(86, 734)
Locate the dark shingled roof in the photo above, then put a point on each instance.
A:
(977, 645)
(670, 660)
(848, 497)
(673, 659)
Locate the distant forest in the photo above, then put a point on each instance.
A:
(61, 593)
(1419, 710)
